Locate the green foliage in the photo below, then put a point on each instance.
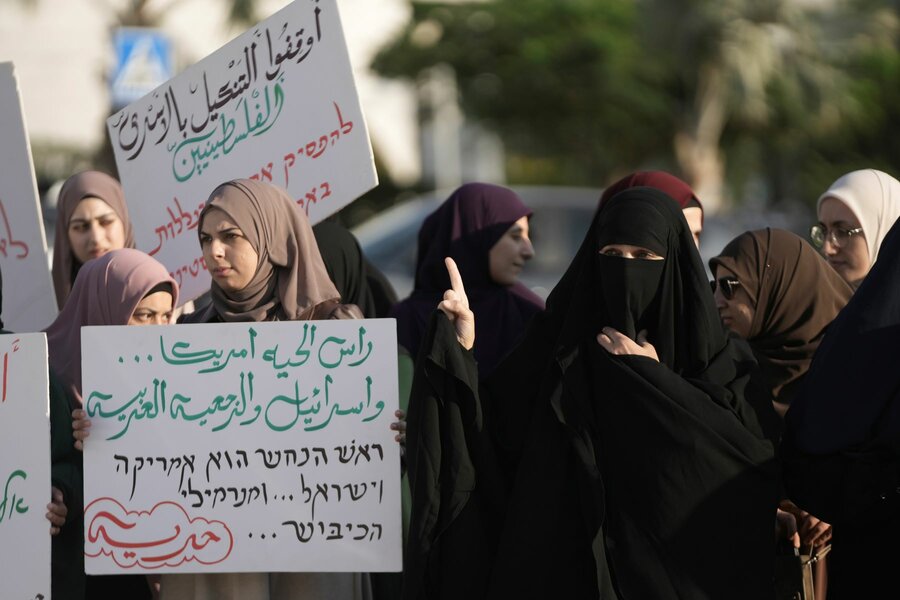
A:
(565, 83)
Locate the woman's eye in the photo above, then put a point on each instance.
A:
(106, 222)
(611, 252)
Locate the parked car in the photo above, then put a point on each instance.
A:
(561, 218)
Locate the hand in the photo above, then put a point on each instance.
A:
(786, 527)
(812, 530)
(400, 427)
(456, 306)
(620, 344)
(81, 427)
(56, 511)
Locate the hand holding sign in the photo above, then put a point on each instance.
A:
(456, 306)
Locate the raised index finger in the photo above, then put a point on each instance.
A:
(456, 282)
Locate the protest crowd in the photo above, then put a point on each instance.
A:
(643, 433)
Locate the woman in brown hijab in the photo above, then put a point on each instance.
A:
(774, 290)
(93, 219)
(265, 265)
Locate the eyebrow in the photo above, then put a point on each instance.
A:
(97, 218)
(833, 224)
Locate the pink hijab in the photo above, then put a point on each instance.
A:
(88, 184)
(106, 292)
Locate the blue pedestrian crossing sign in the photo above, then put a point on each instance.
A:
(143, 63)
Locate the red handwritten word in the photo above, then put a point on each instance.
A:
(192, 269)
(315, 148)
(312, 196)
(15, 348)
(132, 538)
(180, 218)
(8, 239)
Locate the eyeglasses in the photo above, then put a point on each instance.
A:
(838, 236)
(727, 284)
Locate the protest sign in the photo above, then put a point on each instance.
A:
(24, 467)
(242, 447)
(278, 104)
(29, 303)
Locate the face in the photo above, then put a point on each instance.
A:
(694, 217)
(737, 312)
(852, 261)
(229, 256)
(629, 251)
(510, 253)
(153, 309)
(94, 230)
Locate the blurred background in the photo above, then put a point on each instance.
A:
(758, 104)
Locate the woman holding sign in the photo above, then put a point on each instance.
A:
(265, 266)
(93, 219)
(612, 454)
(122, 287)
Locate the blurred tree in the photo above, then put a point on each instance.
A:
(773, 67)
(581, 90)
(565, 83)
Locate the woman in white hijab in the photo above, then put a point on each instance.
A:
(855, 214)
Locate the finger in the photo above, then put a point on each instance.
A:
(456, 282)
(78, 413)
(400, 414)
(605, 342)
(795, 540)
(81, 424)
(79, 445)
(54, 530)
(616, 335)
(56, 494)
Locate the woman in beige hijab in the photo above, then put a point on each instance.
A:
(93, 219)
(265, 265)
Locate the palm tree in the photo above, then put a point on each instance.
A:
(727, 54)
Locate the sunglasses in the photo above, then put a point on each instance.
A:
(727, 284)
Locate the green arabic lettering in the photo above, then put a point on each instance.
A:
(362, 333)
(14, 503)
(379, 405)
(186, 358)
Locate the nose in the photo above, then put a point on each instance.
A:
(96, 233)
(217, 248)
(828, 248)
(527, 249)
(721, 302)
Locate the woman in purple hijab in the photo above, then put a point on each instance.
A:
(484, 228)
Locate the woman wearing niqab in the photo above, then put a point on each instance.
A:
(573, 472)
(841, 445)
(466, 226)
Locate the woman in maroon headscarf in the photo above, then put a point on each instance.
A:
(484, 228)
(93, 219)
(672, 186)
(122, 287)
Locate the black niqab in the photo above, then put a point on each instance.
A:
(596, 475)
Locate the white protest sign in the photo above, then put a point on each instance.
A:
(29, 303)
(242, 447)
(24, 466)
(278, 104)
